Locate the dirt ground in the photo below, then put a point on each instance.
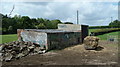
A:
(106, 54)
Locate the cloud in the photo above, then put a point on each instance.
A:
(37, 3)
(59, 0)
(91, 13)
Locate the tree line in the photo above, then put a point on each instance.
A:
(11, 24)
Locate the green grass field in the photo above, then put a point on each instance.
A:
(104, 36)
(13, 37)
(8, 38)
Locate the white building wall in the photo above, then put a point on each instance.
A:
(69, 27)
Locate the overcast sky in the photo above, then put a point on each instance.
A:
(90, 13)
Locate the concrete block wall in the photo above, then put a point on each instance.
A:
(32, 36)
(62, 40)
(75, 28)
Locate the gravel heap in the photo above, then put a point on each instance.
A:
(15, 50)
(91, 42)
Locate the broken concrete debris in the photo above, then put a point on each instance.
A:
(91, 42)
(15, 50)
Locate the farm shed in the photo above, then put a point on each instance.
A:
(52, 38)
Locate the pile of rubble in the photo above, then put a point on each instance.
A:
(91, 42)
(15, 50)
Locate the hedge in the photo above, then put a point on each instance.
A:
(101, 27)
(98, 27)
(103, 31)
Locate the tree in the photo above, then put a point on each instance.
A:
(26, 22)
(40, 20)
(40, 26)
(11, 24)
(115, 24)
(47, 23)
(10, 29)
(55, 23)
